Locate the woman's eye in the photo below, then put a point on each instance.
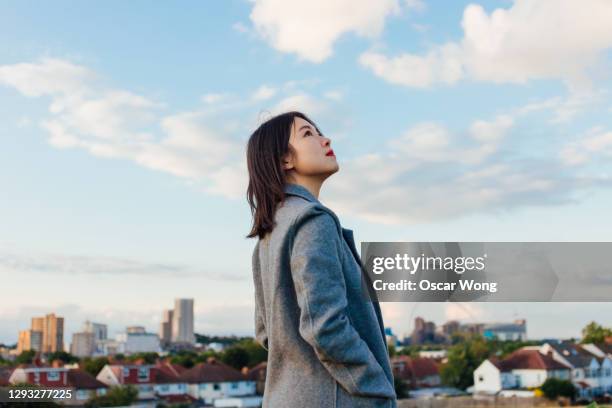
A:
(308, 132)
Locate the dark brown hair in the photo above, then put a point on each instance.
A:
(266, 148)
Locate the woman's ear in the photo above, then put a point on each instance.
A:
(288, 161)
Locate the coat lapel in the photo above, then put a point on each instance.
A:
(348, 236)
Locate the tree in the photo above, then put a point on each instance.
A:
(392, 351)
(463, 359)
(554, 388)
(256, 353)
(595, 333)
(147, 357)
(185, 358)
(62, 356)
(26, 357)
(115, 397)
(94, 365)
(235, 356)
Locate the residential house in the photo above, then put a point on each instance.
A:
(524, 368)
(214, 380)
(257, 374)
(416, 372)
(142, 376)
(591, 372)
(83, 385)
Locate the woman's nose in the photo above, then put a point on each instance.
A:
(326, 141)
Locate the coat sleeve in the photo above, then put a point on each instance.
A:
(316, 268)
(261, 335)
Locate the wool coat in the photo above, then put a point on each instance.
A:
(326, 342)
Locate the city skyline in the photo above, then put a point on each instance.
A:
(123, 170)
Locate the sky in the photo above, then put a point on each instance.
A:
(123, 128)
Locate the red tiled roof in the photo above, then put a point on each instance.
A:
(418, 367)
(171, 369)
(5, 374)
(212, 371)
(80, 379)
(257, 372)
(532, 359)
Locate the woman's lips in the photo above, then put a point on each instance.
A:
(330, 153)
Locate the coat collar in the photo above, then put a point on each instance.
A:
(300, 191)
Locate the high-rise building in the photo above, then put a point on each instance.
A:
(99, 330)
(51, 328)
(29, 340)
(182, 321)
(135, 330)
(165, 328)
(82, 344)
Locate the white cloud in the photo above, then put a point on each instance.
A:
(310, 28)
(49, 77)
(19, 262)
(264, 92)
(532, 39)
(595, 143)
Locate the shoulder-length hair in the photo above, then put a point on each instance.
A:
(266, 147)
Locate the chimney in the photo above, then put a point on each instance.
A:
(245, 370)
(57, 363)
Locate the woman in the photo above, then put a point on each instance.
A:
(326, 343)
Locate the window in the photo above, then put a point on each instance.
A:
(234, 385)
(143, 373)
(216, 386)
(126, 371)
(53, 375)
(82, 394)
(480, 378)
(164, 387)
(36, 377)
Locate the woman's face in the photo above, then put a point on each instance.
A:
(312, 154)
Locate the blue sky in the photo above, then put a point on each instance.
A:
(123, 127)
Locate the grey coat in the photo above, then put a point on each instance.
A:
(326, 343)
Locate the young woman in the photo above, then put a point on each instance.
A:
(326, 343)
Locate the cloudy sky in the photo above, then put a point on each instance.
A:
(123, 127)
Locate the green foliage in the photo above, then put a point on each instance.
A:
(115, 397)
(504, 348)
(412, 351)
(93, 365)
(26, 357)
(148, 357)
(186, 358)
(401, 389)
(554, 388)
(392, 351)
(236, 356)
(595, 333)
(119, 356)
(463, 359)
(256, 353)
(63, 356)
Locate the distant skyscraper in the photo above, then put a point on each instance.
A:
(182, 321)
(165, 328)
(51, 328)
(29, 340)
(82, 344)
(99, 330)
